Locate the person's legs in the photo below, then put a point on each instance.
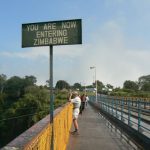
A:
(86, 103)
(83, 105)
(80, 110)
(75, 124)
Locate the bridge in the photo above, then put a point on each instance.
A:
(114, 123)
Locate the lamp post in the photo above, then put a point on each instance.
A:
(93, 67)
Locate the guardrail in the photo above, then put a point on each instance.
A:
(135, 112)
(121, 112)
(38, 137)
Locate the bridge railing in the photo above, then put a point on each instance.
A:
(135, 112)
(38, 137)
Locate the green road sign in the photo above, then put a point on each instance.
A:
(65, 32)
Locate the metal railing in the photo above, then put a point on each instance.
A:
(135, 112)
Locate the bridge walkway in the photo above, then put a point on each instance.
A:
(96, 134)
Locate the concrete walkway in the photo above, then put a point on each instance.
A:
(95, 134)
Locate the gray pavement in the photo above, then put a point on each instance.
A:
(95, 134)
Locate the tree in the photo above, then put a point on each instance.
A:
(144, 79)
(100, 85)
(30, 80)
(131, 85)
(77, 86)
(109, 86)
(25, 101)
(13, 87)
(35, 101)
(3, 78)
(146, 87)
(61, 84)
(144, 83)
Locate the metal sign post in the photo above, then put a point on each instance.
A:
(51, 96)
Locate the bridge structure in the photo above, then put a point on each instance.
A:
(115, 123)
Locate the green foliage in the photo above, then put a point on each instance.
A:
(146, 87)
(144, 83)
(29, 81)
(77, 86)
(130, 85)
(109, 86)
(13, 87)
(130, 93)
(2, 82)
(121, 93)
(100, 86)
(142, 94)
(144, 79)
(59, 102)
(22, 104)
(61, 84)
(2, 100)
(61, 96)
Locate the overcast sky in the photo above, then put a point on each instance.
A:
(116, 39)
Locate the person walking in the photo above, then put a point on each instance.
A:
(75, 99)
(83, 99)
(86, 100)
